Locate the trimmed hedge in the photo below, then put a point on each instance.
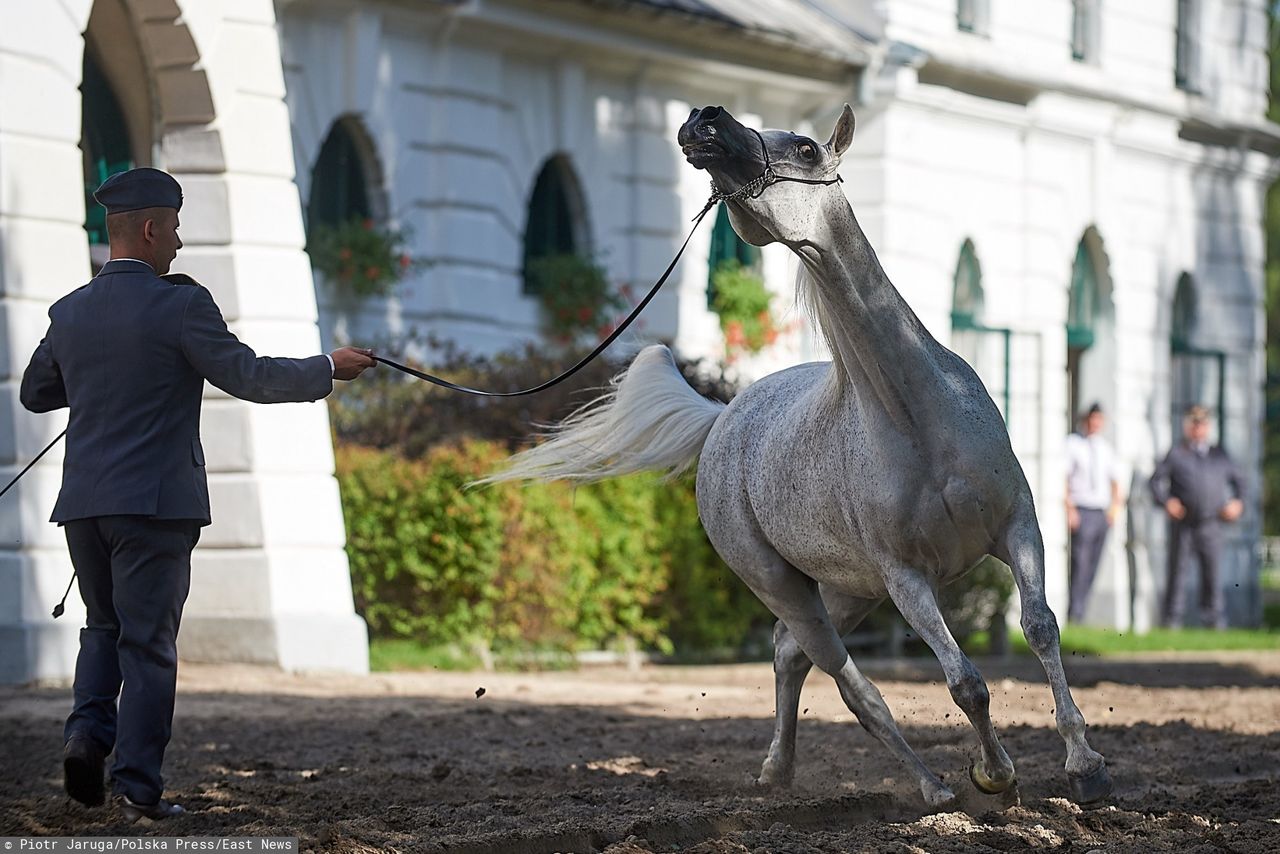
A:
(533, 565)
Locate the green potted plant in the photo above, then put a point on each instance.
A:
(575, 296)
(361, 257)
(743, 304)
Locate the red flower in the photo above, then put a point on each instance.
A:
(345, 253)
(405, 261)
(372, 273)
(733, 334)
(368, 225)
(584, 314)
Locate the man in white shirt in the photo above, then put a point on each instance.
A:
(1093, 502)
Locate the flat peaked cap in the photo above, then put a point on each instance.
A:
(137, 189)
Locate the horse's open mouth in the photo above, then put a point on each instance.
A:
(701, 153)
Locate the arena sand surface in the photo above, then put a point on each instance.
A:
(660, 760)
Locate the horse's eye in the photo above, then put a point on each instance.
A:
(807, 151)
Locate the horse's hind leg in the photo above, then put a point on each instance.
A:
(793, 597)
(918, 604)
(1021, 547)
(790, 667)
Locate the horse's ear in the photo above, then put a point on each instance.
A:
(842, 135)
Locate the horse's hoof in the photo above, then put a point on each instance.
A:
(985, 784)
(771, 781)
(773, 777)
(1090, 788)
(939, 797)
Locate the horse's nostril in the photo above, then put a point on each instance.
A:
(710, 114)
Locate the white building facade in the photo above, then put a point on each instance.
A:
(1068, 193)
(198, 90)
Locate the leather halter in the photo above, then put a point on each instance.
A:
(767, 178)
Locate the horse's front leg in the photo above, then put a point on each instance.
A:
(1021, 546)
(918, 604)
(794, 598)
(790, 667)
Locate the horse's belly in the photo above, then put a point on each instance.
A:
(817, 540)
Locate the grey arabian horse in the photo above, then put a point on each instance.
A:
(886, 472)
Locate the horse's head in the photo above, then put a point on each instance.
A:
(738, 157)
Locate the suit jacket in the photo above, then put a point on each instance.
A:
(129, 353)
(1202, 484)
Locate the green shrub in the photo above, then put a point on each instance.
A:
(520, 566)
(423, 550)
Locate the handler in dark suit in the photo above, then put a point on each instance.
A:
(129, 353)
(1199, 487)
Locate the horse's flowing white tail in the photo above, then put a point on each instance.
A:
(652, 420)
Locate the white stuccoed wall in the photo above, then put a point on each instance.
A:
(269, 580)
(464, 107)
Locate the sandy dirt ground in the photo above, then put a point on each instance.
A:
(662, 760)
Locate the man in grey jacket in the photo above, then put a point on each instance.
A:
(129, 353)
(1200, 488)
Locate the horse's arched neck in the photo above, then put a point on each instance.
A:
(880, 349)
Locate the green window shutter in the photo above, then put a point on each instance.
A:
(1084, 300)
(105, 141)
(549, 229)
(339, 182)
(726, 245)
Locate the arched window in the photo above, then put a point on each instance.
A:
(985, 348)
(1084, 30)
(1186, 64)
(105, 143)
(973, 16)
(1082, 307)
(554, 224)
(1182, 326)
(967, 297)
(342, 178)
(1199, 373)
(726, 245)
(1090, 328)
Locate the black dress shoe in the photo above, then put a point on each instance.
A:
(82, 771)
(161, 809)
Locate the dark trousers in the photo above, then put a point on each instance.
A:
(1203, 540)
(134, 576)
(1086, 551)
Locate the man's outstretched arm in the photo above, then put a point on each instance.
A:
(218, 355)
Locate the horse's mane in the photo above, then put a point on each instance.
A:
(809, 299)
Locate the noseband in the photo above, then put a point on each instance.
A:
(767, 178)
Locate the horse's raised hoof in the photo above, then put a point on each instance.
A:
(985, 784)
(1090, 788)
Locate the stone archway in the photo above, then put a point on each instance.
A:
(275, 586)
